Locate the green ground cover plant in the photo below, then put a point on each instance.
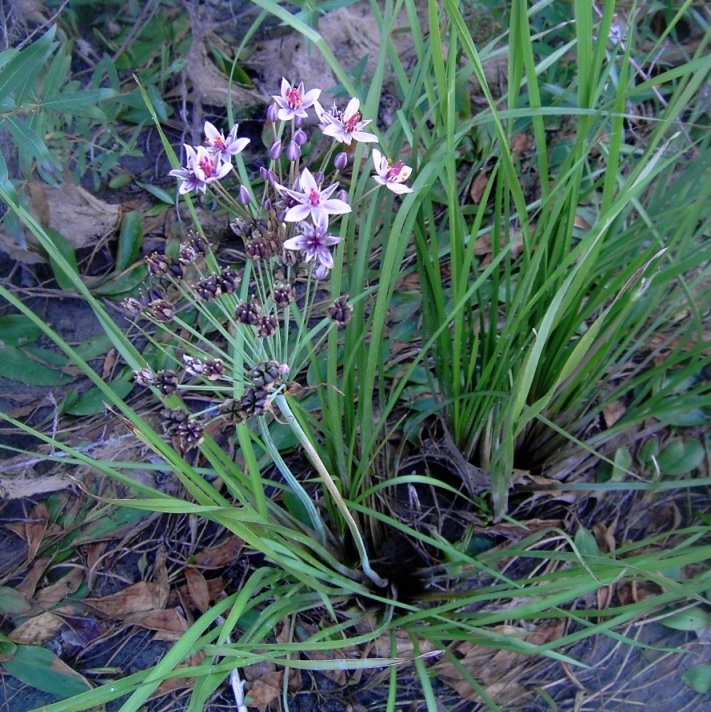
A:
(590, 297)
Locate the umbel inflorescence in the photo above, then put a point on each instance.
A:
(240, 332)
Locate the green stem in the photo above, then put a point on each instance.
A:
(293, 483)
(331, 486)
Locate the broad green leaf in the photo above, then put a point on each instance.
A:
(123, 283)
(28, 139)
(67, 250)
(130, 239)
(698, 678)
(18, 330)
(694, 619)
(120, 180)
(585, 543)
(93, 347)
(111, 520)
(159, 193)
(72, 101)
(24, 66)
(42, 669)
(11, 601)
(15, 365)
(7, 647)
(680, 457)
(93, 400)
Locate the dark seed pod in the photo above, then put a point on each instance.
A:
(193, 366)
(166, 382)
(192, 248)
(341, 311)
(248, 312)
(228, 279)
(173, 420)
(264, 374)
(132, 306)
(161, 310)
(190, 435)
(266, 326)
(233, 411)
(213, 369)
(283, 295)
(262, 249)
(158, 265)
(176, 270)
(207, 289)
(144, 377)
(254, 402)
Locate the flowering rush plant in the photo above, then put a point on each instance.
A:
(242, 331)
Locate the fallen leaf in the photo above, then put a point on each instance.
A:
(478, 186)
(224, 554)
(178, 683)
(265, 690)
(613, 412)
(168, 623)
(197, 586)
(37, 630)
(521, 143)
(50, 596)
(28, 586)
(133, 599)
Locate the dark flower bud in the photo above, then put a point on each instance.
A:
(248, 312)
(132, 306)
(342, 195)
(207, 289)
(166, 382)
(144, 377)
(341, 311)
(299, 121)
(283, 295)
(300, 137)
(319, 177)
(340, 161)
(244, 197)
(293, 151)
(266, 326)
(193, 366)
(161, 310)
(267, 204)
(228, 280)
(158, 264)
(275, 150)
(213, 369)
(264, 374)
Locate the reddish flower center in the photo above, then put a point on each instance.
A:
(393, 172)
(315, 197)
(293, 98)
(352, 124)
(206, 166)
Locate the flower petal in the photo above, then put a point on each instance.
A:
(297, 213)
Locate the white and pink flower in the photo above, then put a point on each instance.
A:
(200, 170)
(312, 200)
(314, 241)
(392, 175)
(293, 101)
(345, 126)
(224, 147)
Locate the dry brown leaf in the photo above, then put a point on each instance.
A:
(168, 623)
(605, 536)
(265, 690)
(33, 529)
(28, 586)
(162, 585)
(133, 599)
(37, 630)
(613, 412)
(50, 596)
(178, 683)
(521, 144)
(580, 222)
(496, 670)
(223, 554)
(477, 188)
(198, 589)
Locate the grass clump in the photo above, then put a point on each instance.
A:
(563, 302)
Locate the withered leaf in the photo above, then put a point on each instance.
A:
(224, 554)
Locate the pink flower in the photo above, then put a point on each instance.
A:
(346, 125)
(313, 201)
(314, 241)
(293, 102)
(391, 175)
(201, 168)
(223, 147)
